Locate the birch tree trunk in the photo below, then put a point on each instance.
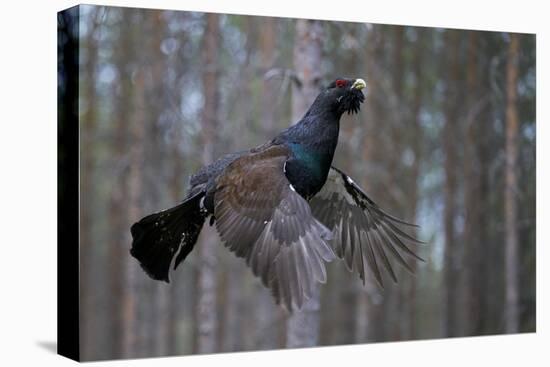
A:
(303, 326)
(207, 320)
(308, 47)
(511, 184)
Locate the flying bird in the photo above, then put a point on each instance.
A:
(284, 208)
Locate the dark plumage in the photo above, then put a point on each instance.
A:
(283, 208)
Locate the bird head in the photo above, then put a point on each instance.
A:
(345, 95)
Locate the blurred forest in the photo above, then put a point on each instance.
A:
(445, 139)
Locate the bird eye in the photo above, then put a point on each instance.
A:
(340, 83)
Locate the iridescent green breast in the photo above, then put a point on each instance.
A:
(309, 159)
(307, 170)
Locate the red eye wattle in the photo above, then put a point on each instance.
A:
(340, 83)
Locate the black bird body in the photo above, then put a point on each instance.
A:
(311, 144)
(281, 207)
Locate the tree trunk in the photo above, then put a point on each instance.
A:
(303, 326)
(369, 310)
(397, 314)
(89, 332)
(449, 137)
(511, 184)
(267, 314)
(267, 47)
(371, 325)
(471, 191)
(182, 285)
(417, 139)
(174, 314)
(486, 266)
(132, 331)
(156, 103)
(308, 47)
(118, 200)
(207, 320)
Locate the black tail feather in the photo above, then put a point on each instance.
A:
(157, 237)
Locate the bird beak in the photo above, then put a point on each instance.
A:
(359, 84)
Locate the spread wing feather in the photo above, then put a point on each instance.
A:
(363, 234)
(262, 219)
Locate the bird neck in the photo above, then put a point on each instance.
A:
(312, 142)
(317, 131)
(321, 109)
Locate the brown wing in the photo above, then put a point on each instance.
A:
(362, 233)
(261, 218)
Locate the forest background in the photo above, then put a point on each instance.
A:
(446, 139)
